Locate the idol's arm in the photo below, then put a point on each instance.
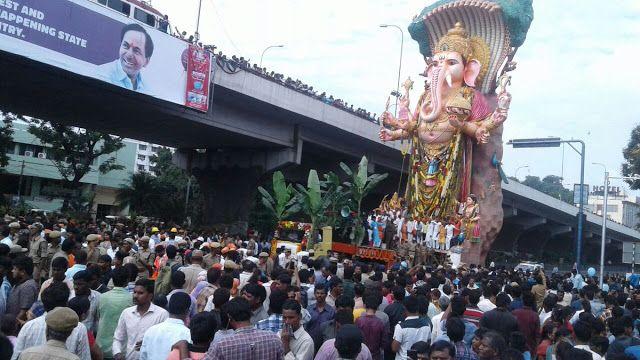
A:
(499, 116)
(391, 135)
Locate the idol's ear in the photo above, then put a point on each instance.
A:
(471, 72)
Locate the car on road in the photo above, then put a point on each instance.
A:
(529, 266)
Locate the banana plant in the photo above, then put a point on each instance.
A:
(284, 201)
(335, 198)
(312, 204)
(359, 186)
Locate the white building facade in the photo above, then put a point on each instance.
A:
(144, 152)
(621, 207)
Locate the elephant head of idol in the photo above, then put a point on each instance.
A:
(458, 62)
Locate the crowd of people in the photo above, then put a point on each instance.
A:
(164, 25)
(296, 85)
(94, 290)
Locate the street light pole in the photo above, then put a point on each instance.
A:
(604, 221)
(399, 65)
(555, 142)
(197, 34)
(581, 209)
(265, 50)
(604, 214)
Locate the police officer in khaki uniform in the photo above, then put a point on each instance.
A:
(60, 324)
(144, 258)
(14, 228)
(37, 251)
(53, 251)
(94, 251)
(213, 257)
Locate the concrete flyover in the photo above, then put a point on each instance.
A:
(255, 126)
(539, 224)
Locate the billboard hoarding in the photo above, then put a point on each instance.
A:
(94, 41)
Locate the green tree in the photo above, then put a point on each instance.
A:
(174, 183)
(550, 185)
(163, 194)
(6, 136)
(631, 153)
(73, 151)
(142, 194)
(283, 202)
(359, 186)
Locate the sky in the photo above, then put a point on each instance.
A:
(575, 77)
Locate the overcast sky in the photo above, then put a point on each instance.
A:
(575, 76)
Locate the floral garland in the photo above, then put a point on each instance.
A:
(291, 225)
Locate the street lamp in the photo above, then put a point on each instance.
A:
(197, 34)
(265, 50)
(604, 214)
(400, 65)
(555, 142)
(604, 220)
(518, 169)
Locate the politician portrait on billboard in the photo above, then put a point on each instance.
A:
(136, 49)
(91, 40)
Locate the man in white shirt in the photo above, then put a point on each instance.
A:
(33, 333)
(398, 223)
(436, 232)
(487, 302)
(158, 339)
(247, 272)
(411, 330)
(297, 343)
(6, 236)
(285, 257)
(135, 320)
(299, 255)
(429, 235)
(449, 235)
(582, 331)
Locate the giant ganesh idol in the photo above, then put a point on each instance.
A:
(455, 131)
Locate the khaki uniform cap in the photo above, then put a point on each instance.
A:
(93, 237)
(230, 265)
(62, 319)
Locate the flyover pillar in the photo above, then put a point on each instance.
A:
(229, 178)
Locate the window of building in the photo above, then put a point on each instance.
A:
(152, 169)
(142, 147)
(144, 17)
(11, 148)
(610, 208)
(120, 6)
(141, 168)
(142, 157)
(155, 149)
